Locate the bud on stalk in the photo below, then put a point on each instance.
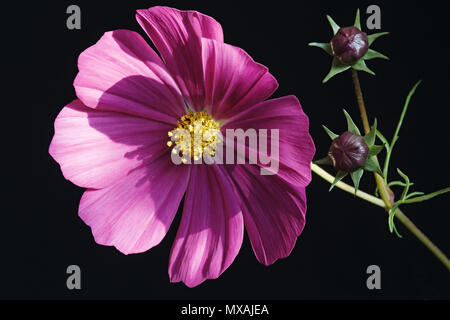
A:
(348, 152)
(349, 45)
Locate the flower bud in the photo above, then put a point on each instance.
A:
(349, 45)
(348, 152)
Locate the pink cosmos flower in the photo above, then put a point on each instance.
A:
(112, 141)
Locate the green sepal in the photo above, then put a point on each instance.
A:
(336, 68)
(357, 20)
(372, 54)
(360, 65)
(374, 150)
(325, 46)
(373, 166)
(351, 126)
(372, 37)
(324, 161)
(330, 133)
(356, 177)
(370, 137)
(339, 176)
(333, 25)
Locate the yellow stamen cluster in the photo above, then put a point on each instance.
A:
(196, 133)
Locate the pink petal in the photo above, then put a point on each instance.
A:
(122, 73)
(95, 148)
(135, 213)
(296, 147)
(211, 230)
(177, 36)
(274, 213)
(233, 80)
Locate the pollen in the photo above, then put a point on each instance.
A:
(196, 134)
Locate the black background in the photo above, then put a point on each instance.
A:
(42, 234)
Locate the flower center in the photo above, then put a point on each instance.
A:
(197, 133)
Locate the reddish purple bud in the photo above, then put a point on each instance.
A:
(348, 152)
(349, 45)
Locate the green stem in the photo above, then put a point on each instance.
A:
(343, 186)
(379, 202)
(399, 215)
(422, 237)
(384, 189)
(360, 99)
(427, 196)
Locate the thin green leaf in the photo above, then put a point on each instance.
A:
(373, 166)
(391, 221)
(395, 230)
(336, 68)
(394, 208)
(356, 177)
(384, 140)
(372, 37)
(351, 126)
(330, 133)
(397, 130)
(413, 194)
(405, 108)
(399, 183)
(361, 66)
(428, 196)
(372, 54)
(392, 212)
(339, 176)
(370, 137)
(407, 184)
(333, 25)
(325, 46)
(374, 150)
(357, 20)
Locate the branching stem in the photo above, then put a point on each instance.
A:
(384, 189)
